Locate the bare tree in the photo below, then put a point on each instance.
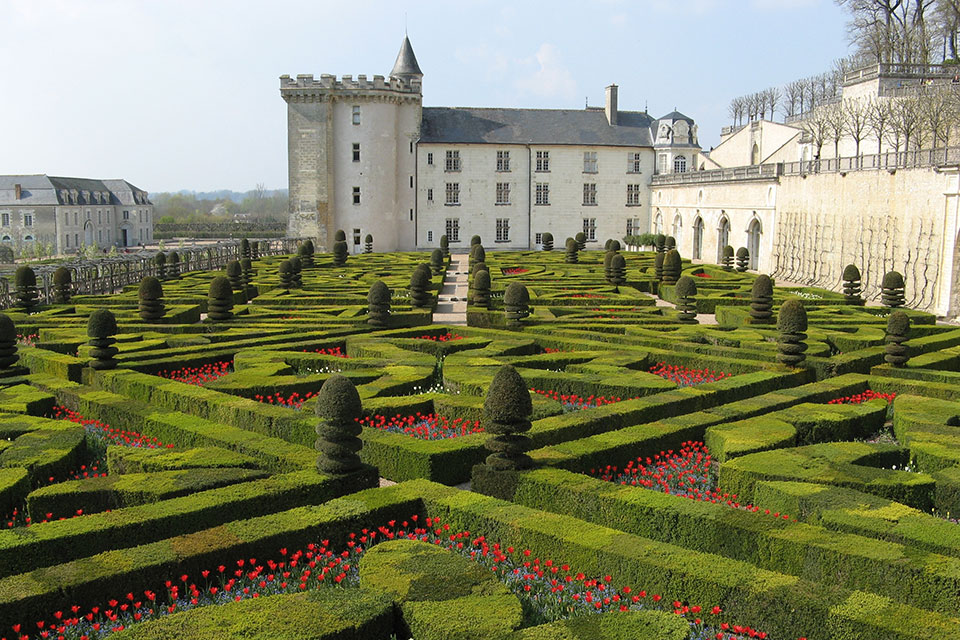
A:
(946, 19)
(878, 118)
(855, 121)
(773, 96)
(735, 111)
(890, 30)
(907, 110)
(836, 124)
(792, 95)
(936, 115)
(817, 127)
(811, 92)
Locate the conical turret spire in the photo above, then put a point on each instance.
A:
(406, 64)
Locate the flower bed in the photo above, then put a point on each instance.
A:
(444, 337)
(293, 401)
(29, 340)
(107, 435)
(336, 352)
(512, 271)
(686, 377)
(573, 402)
(199, 375)
(866, 396)
(423, 427)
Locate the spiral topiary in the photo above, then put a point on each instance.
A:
(296, 267)
(618, 271)
(516, 304)
(852, 284)
(258, 249)
(607, 258)
(506, 415)
(244, 248)
(480, 295)
(892, 290)
(475, 240)
(173, 265)
(150, 294)
(547, 241)
(220, 300)
(445, 246)
(437, 262)
(420, 285)
(672, 267)
(898, 330)
(378, 304)
(792, 327)
(761, 300)
(101, 327)
(285, 272)
(25, 281)
(340, 236)
(686, 291)
(246, 270)
(368, 243)
(581, 239)
(339, 408)
(658, 265)
(8, 342)
(160, 262)
(340, 253)
(727, 259)
(235, 275)
(305, 252)
(743, 259)
(669, 243)
(660, 243)
(62, 285)
(571, 251)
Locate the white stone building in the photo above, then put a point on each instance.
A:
(365, 156)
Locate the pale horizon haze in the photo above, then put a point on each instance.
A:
(177, 95)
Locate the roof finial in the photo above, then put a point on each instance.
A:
(405, 34)
(586, 102)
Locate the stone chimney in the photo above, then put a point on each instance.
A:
(18, 191)
(611, 107)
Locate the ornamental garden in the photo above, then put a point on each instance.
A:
(613, 445)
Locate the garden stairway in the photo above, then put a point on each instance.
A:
(452, 301)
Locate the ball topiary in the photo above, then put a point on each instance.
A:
(571, 251)
(173, 265)
(101, 327)
(892, 290)
(25, 281)
(8, 342)
(852, 284)
(285, 272)
(581, 239)
(368, 243)
(296, 271)
(547, 241)
(340, 253)
(437, 262)
(618, 271)
(305, 252)
(378, 304)
(792, 327)
(761, 300)
(150, 296)
(516, 304)
(220, 300)
(244, 248)
(686, 291)
(672, 267)
(506, 414)
(420, 286)
(658, 265)
(62, 285)
(475, 240)
(660, 243)
(480, 294)
(727, 259)
(898, 330)
(235, 275)
(160, 262)
(445, 246)
(340, 236)
(743, 259)
(338, 408)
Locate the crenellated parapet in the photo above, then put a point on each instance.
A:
(306, 86)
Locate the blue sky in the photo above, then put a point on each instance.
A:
(184, 94)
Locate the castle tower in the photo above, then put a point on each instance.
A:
(351, 155)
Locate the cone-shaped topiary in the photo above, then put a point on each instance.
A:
(761, 300)
(420, 285)
(285, 271)
(475, 240)
(658, 265)
(727, 259)
(160, 262)
(437, 261)
(547, 241)
(296, 266)
(246, 270)
(220, 300)
(892, 290)
(898, 330)
(571, 251)
(62, 285)
(378, 301)
(235, 275)
(792, 327)
(660, 243)
(852, 284)
(244, 248)
(743, 259)
(340, 236)
(26, 282)
(150, 294)
(672, 267)
(305, 252)
(480, 295)
(686, 291)
(506, 415)
(516, 304)
(368, 243)
(8, 342)
(618, 271)
(101, 327)
(445, 246)
(338, 407)
(173, 265)
(581, 239)
(339, 253)
(669, 243)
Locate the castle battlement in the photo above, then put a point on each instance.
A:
(330, 82)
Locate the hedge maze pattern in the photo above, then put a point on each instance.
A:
(181, 474)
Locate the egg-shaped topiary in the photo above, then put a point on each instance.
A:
(235, 275)
(340, 253)
(743, 259)
(477, 254)
(660, 243)
(727, 259)
(761, 300)
(338, 409)
(437, 261)
(669, 243)
(368, 243)
(546, 241)
(618, 271)
(571, 253)
(296, 270)
(246, 271)
(658, 265)
(686, 291)
(25, 281)
(475, 240)
(220, 300)
(480, 294)
(792, 327)
(445, 246)
(581, 239)
(420, 286)
(340, 236)
(892, 290)
(150, 306)
(8, 342)
(672, 267)
(506, 415)
(305, 252)
(378, 304)
(160, 263)
(898, 331)
(852, 284)
(516, 304)
(285, 273)
(244, 248)
(173, 265)
(62, 285)
(101, 329)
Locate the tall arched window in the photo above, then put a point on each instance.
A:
(677, 227)
(698, 238)
(658, 223)
(754, 231)
(680, 164)
(755, 154)
(723, 237)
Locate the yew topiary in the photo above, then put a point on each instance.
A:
(173, 265)
(792, 327)
(244, 248)
(852, 284)
(368, 243)
(506, 415)
(475, 240)
(618, 271)
(547, 241)
(62, 285)
(581, 239)
(305, 252)
(686, 291)
(761, 300)
(340, 236)
(101, 329)
(445, 246)
(160, 262)
(420, 285)
(481, 289)
(150, 294)
(338, 408)
(296, 266)
(285, 272)
(220, 300)
(25, 281)
(615, 245)
(378, 304)
(246, 270)
(670, 243)
(607, 258)
(727, 259)
(437, 261)
(898, 330)
(672, 267)
(658, 265)
(477, 254)
(892, 290)
(235, 275)
(743, 259)
(340, 253)
(660, 242)
(6, 255)
(571, 251)
(8, 342)
(516, 304)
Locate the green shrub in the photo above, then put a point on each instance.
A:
(506, 415)
(340, 236)
(481, 289)
(62, 285)
(445, 246)
(368, 243)
(296, 272)
(648, 624)
(791, 328)
(305, 252)
(660, 243)
(743, 259)
(516, 304)
(378, 305)
(571, 250)
(892, 290)
(672, 267)
(420, 286)
(852, 284)
(285, 273)
(761, 300)
(338, 407)
(235, 275)
(547, 241)
(25, 281)
(581, 239)
(8, 342)
(618, 272)
(898, 330)
(727, 260)
(658, 265)
(101, 329)
(150, 294)
(670, 243)
(686, 291)
(474, 241)
(220, 300)
(160, 262)
(244, 248)
(437, 261)
(340, 253)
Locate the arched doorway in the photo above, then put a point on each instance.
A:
(698, 238)
(88, 233)
(723, 237)
(754, 231)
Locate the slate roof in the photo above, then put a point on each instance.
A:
(535, 126)
(676, 115)
(41, 189)
(406, 63)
